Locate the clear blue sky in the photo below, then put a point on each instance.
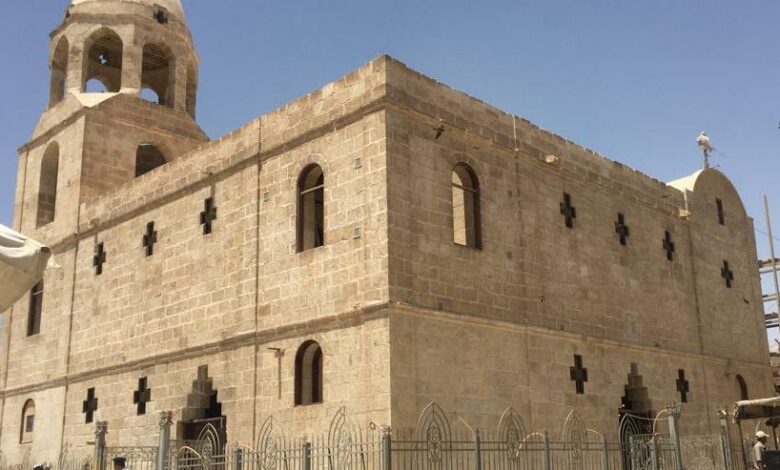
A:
(635, 81)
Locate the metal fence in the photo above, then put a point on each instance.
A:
(65, 461)
(642, 444)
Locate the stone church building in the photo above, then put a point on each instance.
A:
(380, 243)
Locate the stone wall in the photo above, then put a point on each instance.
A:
(475, 368)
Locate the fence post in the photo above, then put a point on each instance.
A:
(238, 464)
(307, 456)
(164, 446)
(725, 439)
(387, 447)
(674, 433)
(547, 459)
(477, 451)
(101, 429)
(654, 452)
(606, 452)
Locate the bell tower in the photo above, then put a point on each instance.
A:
(134, 47)
(122, 102)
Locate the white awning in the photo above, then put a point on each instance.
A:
(757, 409)
(22, 262)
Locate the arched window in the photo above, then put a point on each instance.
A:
(308, 374)
(311, 208)
(147, 158)
(59, 72)
(47, 185)
(465, 207)
(192, 89)
(156, 74)
(743, 389)
(103, 61)
(35, 311)
(147, 94)
(28, 422)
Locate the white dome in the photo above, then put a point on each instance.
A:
(174, 7)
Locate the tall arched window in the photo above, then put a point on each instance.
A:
(147, 158)
(465, 207)
(156, 73)
(36, 310)
(28, 422)
(192, 89)
(308, 374)
(103, 61)
(743, 388)
(311, 208)
(59, 72)
(47, 185)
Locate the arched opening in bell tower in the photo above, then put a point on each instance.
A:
(103, 62)
(156, 74)
(59, 72)
(192, 89)
(147, 158)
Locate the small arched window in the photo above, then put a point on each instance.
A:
(156, 74)
(103, 61)
(28, 422)
(308, 374)
(743, 388)
(147, 158)
(36, 310)
(47, 185)
(311, 208)
(465, 207)
(59, 72)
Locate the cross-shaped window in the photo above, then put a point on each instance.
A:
(208, 215)
(99, 259)
(142, 396)
(668, 245)
(622, 229)
(150, 238)
(683, 386)
(579, 375)
(568, 211)
(90, 406)
(727, 274)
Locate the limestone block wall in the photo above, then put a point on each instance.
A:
(170, 382)
(116, 128)
(349, 270)
(195, 290)
(475, 368)
(356, 365)
(532, 269)
(70, 142)
(732, 319)
(48, 425)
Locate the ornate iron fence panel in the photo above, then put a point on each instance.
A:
(137, 458)
(432, 445)
(208, 452)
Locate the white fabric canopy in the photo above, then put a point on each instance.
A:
(22, 262)
(757, 409)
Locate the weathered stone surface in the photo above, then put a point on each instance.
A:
(403, 315)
